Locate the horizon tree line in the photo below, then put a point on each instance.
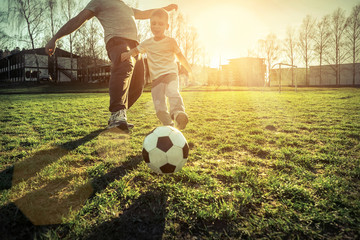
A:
(38, 21)
(331, 40)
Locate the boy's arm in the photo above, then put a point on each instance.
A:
(184, 62)
(146, 14)
(126, 55)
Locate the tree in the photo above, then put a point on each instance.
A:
(270, 49)
(306, 36)
(5, 39)
(51, 5)
(94, 39)
(69, 9)
(290, 46)
(322, 40)
(337, 28)
(195, 47)
(353, 35)
(186, 36)
(31, 12)
(89, 44)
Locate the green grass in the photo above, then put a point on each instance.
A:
(262, 165)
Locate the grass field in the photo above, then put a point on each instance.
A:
(262, 165)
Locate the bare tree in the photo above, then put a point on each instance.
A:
(353, 35)
(51, 5)
(179, 30)
(186, 36)
(195, 47)
(172, 23)
(69, 9)
(143, 26)
(270, 49)
(306, 36)
(4, 37)
(94, 40)
(337, 28)
(31, 12)
(89, 45)
(322, 40)
(290, 46)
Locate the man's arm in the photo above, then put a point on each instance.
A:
(146, 14)
(69, 27)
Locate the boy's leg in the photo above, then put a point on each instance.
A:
(158, 96)
(177, 108)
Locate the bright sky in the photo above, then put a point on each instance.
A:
(228, 28)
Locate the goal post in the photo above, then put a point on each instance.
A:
(280, 80)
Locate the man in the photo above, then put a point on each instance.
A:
(127, 79)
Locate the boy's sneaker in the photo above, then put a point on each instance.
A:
(119, 119)
(165, 118)
(181, 119)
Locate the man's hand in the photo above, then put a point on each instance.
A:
(171, 7)
(50, 47)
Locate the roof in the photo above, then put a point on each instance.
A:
(41, 51)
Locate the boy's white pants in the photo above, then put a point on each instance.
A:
(167, 86)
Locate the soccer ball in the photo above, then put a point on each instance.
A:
(165, 150)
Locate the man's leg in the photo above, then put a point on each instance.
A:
(121, 74)
(137, 83)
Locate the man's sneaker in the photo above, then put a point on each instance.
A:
(181, 119)
(119, 119)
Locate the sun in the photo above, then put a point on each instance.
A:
(223, 28)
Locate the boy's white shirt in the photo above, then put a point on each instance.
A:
(160, 56)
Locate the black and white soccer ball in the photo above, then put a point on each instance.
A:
(165, 150)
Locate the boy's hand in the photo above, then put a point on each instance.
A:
(171, 7)
(125, 56)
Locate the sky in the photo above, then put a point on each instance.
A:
(229, 28)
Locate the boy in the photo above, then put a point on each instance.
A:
(161, 51)
(120, 32)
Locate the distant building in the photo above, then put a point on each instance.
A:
(21, 66)
(245, 71)
(328, 77)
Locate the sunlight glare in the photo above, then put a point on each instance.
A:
(223, 28)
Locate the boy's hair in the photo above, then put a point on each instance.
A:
(161, 13)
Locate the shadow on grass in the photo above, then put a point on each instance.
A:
(6, 178)
(144, 219)
(14, 225)
(42, 206)
(100, 183)
(28, 168)
(41, 210)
